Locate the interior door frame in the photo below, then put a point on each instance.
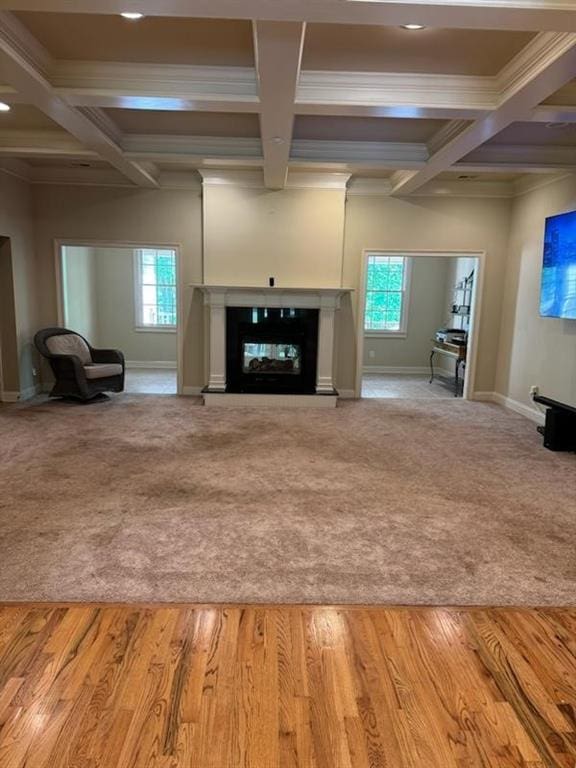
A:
(60, 243)
(475, 312)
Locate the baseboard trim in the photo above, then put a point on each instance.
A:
(346, 394)
(9, 397)
(192, 391)
(25, 394)
(170, 364)
(513, 405)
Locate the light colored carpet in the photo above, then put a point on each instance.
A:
(156, 498)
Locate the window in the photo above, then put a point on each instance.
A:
(155, 289)
(386, 294)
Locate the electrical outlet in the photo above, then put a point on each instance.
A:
(371, 353)
(534, 390)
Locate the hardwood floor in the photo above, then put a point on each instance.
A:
(94, 686)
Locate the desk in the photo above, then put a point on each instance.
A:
(456, 352)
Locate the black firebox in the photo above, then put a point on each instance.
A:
(271, 350)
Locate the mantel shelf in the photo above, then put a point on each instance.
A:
(268, 289)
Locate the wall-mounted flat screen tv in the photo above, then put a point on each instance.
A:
(558, 290)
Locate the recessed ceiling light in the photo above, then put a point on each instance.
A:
(413, 26)
(4, 107)
(132, 16)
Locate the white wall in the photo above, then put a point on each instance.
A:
(533, 349)
(426, 313)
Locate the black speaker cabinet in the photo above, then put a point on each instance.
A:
(560, 428)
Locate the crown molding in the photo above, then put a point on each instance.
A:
(464, 188)
(129, 82)
(41, 143)
(368, 187)
(551, 113)
(534, 58)
(99, 118)
(522, 156)
(385, 153)
(532, 182)
(14, 167)
(446, 134)
(396, 89)
(158, 146)
(92, 177)
(29, 51)
(255, 179)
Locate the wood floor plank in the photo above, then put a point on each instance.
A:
(180, 686)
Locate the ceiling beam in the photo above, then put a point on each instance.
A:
(278, 52)
(22, 73)
(541, 68)
(530, 15)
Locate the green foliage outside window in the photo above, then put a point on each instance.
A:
(384, 293)
(158, 287)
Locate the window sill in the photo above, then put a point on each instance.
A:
(155, 329)
(386, 334)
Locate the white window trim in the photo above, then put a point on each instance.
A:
(402, 332)
(139, 327)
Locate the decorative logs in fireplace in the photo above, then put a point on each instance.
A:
(271, 350)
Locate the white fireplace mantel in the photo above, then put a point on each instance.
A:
(326, 300)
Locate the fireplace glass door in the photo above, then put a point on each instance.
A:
(278, 358)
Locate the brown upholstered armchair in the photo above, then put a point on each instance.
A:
(80, 370)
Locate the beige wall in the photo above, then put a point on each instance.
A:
(16, 223)
(133, 216)
(117, 313)
(427, 223)
(79, 292)
(426, 312)
(294, 235)
(308, 220)
(533, 349)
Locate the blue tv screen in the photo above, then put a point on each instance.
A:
(558, 291)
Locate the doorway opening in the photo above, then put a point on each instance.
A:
(418, 324)
(126, 297)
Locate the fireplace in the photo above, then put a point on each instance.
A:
(271, 350)
(271, 346)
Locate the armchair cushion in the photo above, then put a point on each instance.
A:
(70, 344)
(102, 370)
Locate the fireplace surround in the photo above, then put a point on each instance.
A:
(276, 349)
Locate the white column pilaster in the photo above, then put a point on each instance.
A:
(325, 372)
(217, 378)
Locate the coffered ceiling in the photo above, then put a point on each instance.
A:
(483, 98)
